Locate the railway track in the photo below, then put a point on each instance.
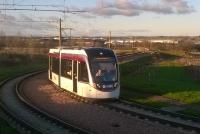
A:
(179, 121)
(124, 108)
(16, 105)
(30, 118)
(17, 109)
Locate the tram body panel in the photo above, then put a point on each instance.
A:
(105, 95)
(66, 84)
(83, 89)
(78, 69)
(91, 92)
(55, 78)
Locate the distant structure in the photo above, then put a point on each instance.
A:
(121, 41)
(165, 41)
(162, 41)
(197, 42)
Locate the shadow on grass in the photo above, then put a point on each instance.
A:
(6, 129)
(166, 56)
(8, 60)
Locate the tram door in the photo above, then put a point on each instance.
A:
(74, 76)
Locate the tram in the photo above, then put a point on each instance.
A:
(87, 72)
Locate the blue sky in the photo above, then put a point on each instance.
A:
(122, 17)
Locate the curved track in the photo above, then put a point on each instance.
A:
(28, 116)
(179, 121)
(20, 108)
(94, 116)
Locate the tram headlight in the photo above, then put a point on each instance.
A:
(98, 86)
(115, 84)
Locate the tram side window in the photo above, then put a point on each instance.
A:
(66, 68)
(82, 72)
(55, 65)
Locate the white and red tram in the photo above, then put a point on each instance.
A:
(87, 72)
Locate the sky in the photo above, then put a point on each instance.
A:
(98, 17)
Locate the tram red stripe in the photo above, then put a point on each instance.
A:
(69, 56)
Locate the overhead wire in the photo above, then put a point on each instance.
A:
(16, 6)
(30, 5)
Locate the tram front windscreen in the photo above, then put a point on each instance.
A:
(104, 70)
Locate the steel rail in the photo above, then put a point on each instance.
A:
(22, 122)
(25, 100)
(146, 115)
(6, 110)
(78, 98)
(141, 115)
(156, 110)
(186, 126)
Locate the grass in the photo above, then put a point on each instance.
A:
(12, 65)
(174, 52)
(191, 112)
(135, 67)
(119, 52)
(142, 99)
(6, 129)
(167, 78)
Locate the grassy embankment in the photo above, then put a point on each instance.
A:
(12, 65)
(163, 76)
(120, 52)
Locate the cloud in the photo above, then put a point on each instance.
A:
(114, 11)
(120, 7)
(88, 15)
(25, 17)
(180, 6)
(133, 8)
(51, 18)
(13, 24)
(7, 17)
(130, 31)
(138, 30)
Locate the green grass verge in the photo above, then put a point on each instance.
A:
(12, 65)
(6, 129)
(167, 78)
(174, 52)
(191, 112)
(119, 52)
(142, 98)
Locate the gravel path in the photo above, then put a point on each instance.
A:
(91, 117)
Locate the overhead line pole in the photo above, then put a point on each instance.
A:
(60, 44)
(70, 35)
(60, 33)
(109, 39)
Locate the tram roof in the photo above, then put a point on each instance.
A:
(79, 49)
(89, 51)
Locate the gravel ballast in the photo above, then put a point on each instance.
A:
(42, 93)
